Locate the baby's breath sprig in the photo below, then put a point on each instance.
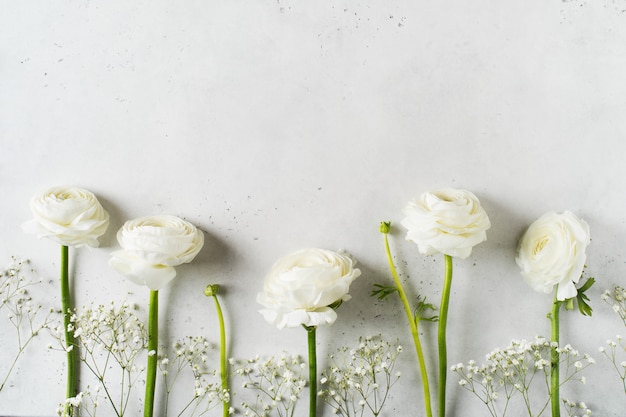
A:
(192, 353)
(111, 337)
(27, 317)
(616, 351)
(358, 380)
(575, 409)
(616, 298)
(278, 384)
(515, 369)
(86, 400)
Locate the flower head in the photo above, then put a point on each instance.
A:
(552, 252)
(153, 246)
(70, 216)
(301, 287)
(447, 221)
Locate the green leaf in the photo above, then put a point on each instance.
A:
(422, 306)
(383, 291)
(587, 284)
(582, 300)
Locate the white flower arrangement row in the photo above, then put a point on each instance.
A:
(304, 289)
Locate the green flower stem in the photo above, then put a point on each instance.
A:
(223, 361)
(441, 334)
(70, 342)
(554, 359)
(413, 325)
(153, 344)
(312, 370)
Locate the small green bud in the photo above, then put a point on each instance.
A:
(385, 227)
(211, 290)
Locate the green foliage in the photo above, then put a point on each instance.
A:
(423, 306)
(581, 299)
(383, 291)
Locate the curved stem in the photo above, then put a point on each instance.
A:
(312, 370)
(153, 344)
(413, 326)
(441, 334)
(223, 362)
(554, 359)
(70, 342)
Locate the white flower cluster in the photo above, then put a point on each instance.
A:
(192, 353)
(23, 314)
(616, 298)
(575, 409)
(616, 351)
(278, 383)
(110, 335)
(512, 370)
(86, 400)
(360, 379)
(115, 329)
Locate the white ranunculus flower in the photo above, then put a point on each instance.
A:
(447, 221)
(301, 286)
(68, 215)
(153, 246)
(552, 252)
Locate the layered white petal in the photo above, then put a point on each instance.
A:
(152, 246)
(68, 215)
(447, 221)
(552, 252)
(300, 287)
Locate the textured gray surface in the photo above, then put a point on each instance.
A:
(275, 125)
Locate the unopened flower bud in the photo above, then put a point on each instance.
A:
(211, 290)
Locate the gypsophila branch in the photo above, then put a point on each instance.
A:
(359, 380)
(191, 354)
(112, 338)
(616, 352)
(513, 371)
(23, 312)
(277, 382)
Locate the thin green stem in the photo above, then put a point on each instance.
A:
(70, 342)
(153, 344)
(223, 362)
(554, 358)
(441, 334)
(312, 370)
(413, 326)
